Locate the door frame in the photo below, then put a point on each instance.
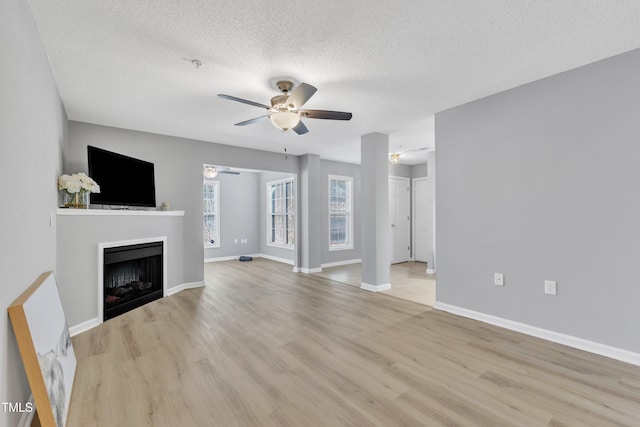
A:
(408, 181)
(413, 214)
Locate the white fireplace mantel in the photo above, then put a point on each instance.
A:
(116, 212)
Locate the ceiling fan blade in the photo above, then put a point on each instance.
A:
(301, 94)
(324, 114)
(300, 128)
(244, 101)
(230, 172)
(250, 121)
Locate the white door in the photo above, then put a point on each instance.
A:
(420, 220)
(399, 218)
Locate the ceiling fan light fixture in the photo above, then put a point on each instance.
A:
(209, 172)
(285, 120)
(394, 158)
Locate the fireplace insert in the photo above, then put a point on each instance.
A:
(132, 277)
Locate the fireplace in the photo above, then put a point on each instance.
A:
(132, 277)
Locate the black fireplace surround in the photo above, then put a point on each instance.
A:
(132, 277)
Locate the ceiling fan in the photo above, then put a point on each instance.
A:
(395, 156)
(285, 112)
(210, 171)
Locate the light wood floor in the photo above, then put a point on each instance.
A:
(262, 346)
(409, 280)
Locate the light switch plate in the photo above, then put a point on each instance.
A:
(550, 287)
(498, 279)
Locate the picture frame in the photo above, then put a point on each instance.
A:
(45, 346)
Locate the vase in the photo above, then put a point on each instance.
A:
(79, 200)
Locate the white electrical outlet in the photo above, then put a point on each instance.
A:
(498, 279)
(550, 287)
(235, 241)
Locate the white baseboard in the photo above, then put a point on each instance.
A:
(92, 323)
(26, 419)
(568, 340)
(84, 326)
(221, 258)
(431, 271)
(184, 286)
(375, 288)
(339, 263)
(308, 270)
(274, 258)
(229, 258)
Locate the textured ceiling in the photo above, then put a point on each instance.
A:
(126, 63)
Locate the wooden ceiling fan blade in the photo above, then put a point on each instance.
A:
(301, 94)
(244, 101)
(300, 128)
(250, 121)
(324, 114)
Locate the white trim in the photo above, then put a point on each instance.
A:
(568, 340)
(413, 216)
(349, 212)
(103, 245)
(116, 212)
(308, 270)
(216, 214)
(184, 286)
(265, 256)
(26, 419)
(273, 258)
(409, 221)
(287, 247)
(340, 248)
(375, 288)
(84, 326)
(431, 271)
(229, 258)
(339, 263)
(268, 212)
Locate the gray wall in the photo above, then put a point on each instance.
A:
(239, 215)
(327, 168)
(77, 264)
(420, 170)
(283, 253)
(398, 169)
(375, 235)
(542, 182)
(310, 212)
(178, 171)
(33, 134)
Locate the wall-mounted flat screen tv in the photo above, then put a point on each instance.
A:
(123, 180)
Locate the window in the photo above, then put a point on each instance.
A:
(281, 229)
(340, 213)
(211, 203)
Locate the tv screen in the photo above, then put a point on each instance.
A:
(123, 180)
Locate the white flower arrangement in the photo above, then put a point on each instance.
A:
(77, 182)
(76, 188)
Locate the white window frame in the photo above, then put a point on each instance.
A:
(349, 212)
(216, 214)
(269, 212)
